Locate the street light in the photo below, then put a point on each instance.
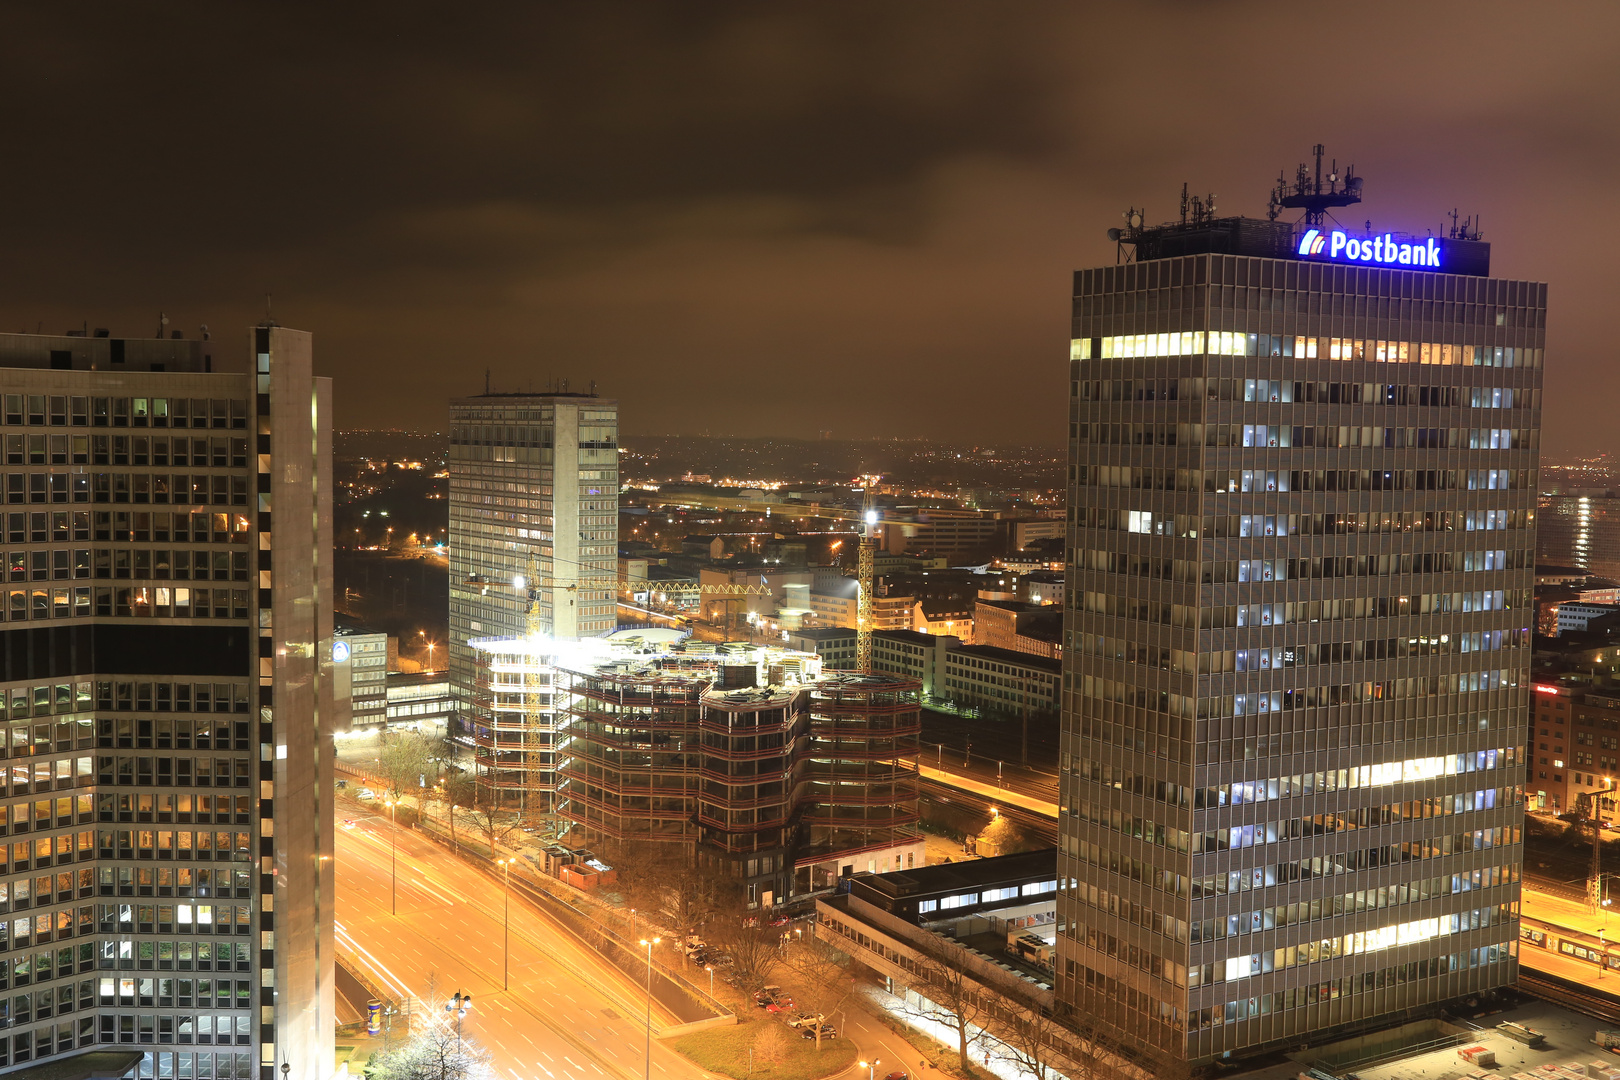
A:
(506, 924)
(458, 1007)
(870, 1066)
(710, 970)
(646, 1071)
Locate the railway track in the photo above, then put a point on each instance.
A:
(1037, 825)
(1569, 994)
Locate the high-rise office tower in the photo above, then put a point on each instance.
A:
(1302, 478)
(167, 813)
(534, 491)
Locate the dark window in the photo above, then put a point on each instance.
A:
(61, 360)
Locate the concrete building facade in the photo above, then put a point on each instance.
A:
(167, 680)
(360, 675)
(1302, 501)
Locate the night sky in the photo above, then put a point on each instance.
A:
(763, 218)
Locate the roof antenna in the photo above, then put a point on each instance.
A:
(486, 382)
(163, 322)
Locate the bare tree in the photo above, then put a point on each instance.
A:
(665, 883)
(821, 976)
(1028, 1039)
(494, 823)
(753, 952)
(946, 995)
(435, 1050)
(408, 760)
(460, 789)
(436, 1053)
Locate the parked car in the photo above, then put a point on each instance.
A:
(805, 1018)
(827, 1032)
(773, 999)
(365, 793)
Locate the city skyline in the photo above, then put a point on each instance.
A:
(753, 193)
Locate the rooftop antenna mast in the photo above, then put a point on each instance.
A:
(1133, 224)
(1310, 194)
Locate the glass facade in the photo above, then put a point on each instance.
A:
(1297, 630)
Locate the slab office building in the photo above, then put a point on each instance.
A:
(531, 474)
(166, 812)
(1297, 635)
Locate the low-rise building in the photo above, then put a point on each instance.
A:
(1000, 680)
(961, 676)
(1574, 747)
(951, 620)
(914, 655)
(834, 644)
(836, 602)
(360, 674)
(1036, 629)
(1041, 587)
(979, 935)
(1576, 615)
(420, 699)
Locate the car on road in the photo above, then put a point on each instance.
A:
(898, 1074)
(349, 823)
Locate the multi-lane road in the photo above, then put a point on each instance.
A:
(568, 1013)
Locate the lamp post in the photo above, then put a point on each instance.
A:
(646, 1070)
(458, 1006)
(710, 970)
(506, 924)
(871, 1066)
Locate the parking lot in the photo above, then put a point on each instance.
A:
(1568, 1040)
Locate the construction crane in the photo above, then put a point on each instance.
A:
(865, 575)
(533, 718)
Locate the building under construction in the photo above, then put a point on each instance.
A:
(772, 772)
(513, 722)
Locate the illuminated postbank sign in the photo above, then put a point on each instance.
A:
(1385, 250)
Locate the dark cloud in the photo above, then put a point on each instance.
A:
(756, 218)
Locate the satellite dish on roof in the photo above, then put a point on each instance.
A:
(1114, 235)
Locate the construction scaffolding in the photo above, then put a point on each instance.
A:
(515, 722)
(859, 799)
